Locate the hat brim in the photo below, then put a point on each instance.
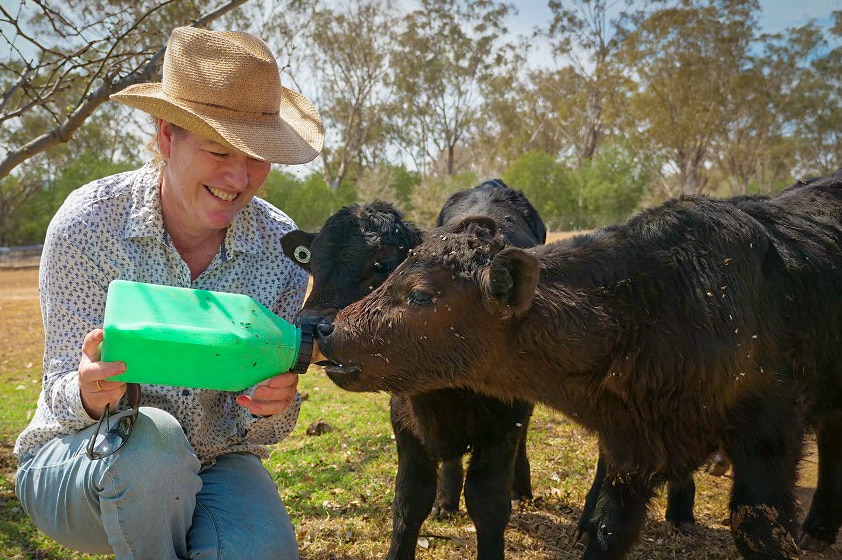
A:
(294, 135)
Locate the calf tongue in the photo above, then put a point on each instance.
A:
(330, 365)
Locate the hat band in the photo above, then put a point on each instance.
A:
(216, 106)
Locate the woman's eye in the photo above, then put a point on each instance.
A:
(417, 297)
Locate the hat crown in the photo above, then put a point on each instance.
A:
(226, 86)
(222, 70)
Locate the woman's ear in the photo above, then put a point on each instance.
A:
(164, 140)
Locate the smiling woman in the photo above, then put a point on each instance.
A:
(190, 219)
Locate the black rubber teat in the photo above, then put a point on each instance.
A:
(305, 352)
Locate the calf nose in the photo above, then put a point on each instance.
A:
(323, 330)
(308, 321)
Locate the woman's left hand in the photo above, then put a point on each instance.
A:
(272, 396)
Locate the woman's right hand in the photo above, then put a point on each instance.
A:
(96, 392)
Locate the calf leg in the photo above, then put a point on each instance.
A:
(522, 483)
(825, 517)
(681, 497)
(415, 490)
(764, 455)
(585, 526)
(487, 494)
(448, 488)
(618, 515)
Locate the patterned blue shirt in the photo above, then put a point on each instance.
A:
(113, 228)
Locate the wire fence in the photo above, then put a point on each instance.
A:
(20, 257)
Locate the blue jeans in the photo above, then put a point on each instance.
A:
(150, 500)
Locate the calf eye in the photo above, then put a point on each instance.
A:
(417, 297)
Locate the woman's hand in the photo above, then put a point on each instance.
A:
(95, 390)
(272, 396)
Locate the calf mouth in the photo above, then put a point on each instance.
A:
(340, 369)
(347, 376)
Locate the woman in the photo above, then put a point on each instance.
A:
(185, 479)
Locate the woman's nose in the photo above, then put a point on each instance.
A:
(237, 172)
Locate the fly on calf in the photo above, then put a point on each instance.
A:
(695, 324)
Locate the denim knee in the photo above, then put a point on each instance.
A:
(157, 450)
(239, 514)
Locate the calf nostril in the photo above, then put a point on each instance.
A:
(308, 321)
(324, 329)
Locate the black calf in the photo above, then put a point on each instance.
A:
(352, 254)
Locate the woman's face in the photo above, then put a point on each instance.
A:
(205, 183)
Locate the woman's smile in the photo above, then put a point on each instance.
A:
(220, 194)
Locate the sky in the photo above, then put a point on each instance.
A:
(777, 15)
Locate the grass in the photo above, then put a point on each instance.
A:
(338, 486)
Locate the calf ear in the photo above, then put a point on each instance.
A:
(296, 246)
(511, 279)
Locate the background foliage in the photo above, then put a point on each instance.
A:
(636, 101)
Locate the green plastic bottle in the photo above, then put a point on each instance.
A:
(198, 338)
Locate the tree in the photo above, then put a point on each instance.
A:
(818, 100)
(549, 186)
(349, 53)
(585, 93)
(613, 183)
(392, 183)
(309, 202)
(28, 226)
(445, 51)
(62, 68)
(685, 59)
(430, 195)
(514, 120)
(74, 67)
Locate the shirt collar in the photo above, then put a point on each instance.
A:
(147, 220)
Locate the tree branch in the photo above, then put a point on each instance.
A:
(64, 131)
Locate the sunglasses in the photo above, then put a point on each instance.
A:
(104, 443)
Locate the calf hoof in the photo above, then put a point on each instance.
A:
(681, 522)
(582, 534)
(719, 465)
(759, 536)
(581, 537)
(812, 544)
(442, 512)
(683, 527)
(520, 498)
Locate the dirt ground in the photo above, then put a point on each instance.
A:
(18, 304)
(19, 314)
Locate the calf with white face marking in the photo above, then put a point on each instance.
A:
(697, 323)
(352, 254)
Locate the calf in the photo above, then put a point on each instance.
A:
(697, 323)
(352, 254)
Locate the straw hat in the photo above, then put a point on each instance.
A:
(226, 86)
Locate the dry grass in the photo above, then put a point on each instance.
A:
(338, 487)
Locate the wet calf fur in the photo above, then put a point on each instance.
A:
(695, 324)
(352, 254)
